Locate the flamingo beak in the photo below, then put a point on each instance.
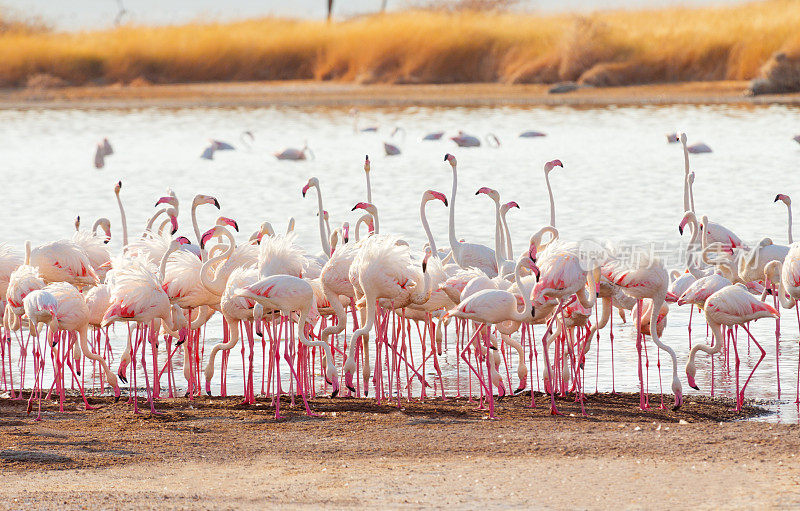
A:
(305, 189)
(215, 202)
(174, 221)
(207, 236)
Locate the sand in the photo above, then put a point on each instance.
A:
(334, 94)
(215, 453)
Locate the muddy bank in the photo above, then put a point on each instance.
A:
(215, 453)
(332, 94)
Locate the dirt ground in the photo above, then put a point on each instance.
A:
(213, 453)
(333, 94)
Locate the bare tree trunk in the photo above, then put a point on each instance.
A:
(330, 9)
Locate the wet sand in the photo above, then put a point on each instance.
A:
(215, 453)
(336, 94)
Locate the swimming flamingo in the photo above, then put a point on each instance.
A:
(295, 154)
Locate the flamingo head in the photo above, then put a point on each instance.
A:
(173, 220)
(325, 215)
(117, 187)
(691, 370)
(346, 232)
(508, 205)
(682, 138)
(672, 297)
(311, 182)
(183, 240)
(205, 199)
(214, 231)
(77, 223)
(105, 225)
(672, 138)
(684, 221)
(168, 199)
(223, 220)
(690, 177)
(450, 159)
(432, 195)
(425, 259)
(783, 198)
(366, 164)
(366, 206)
(678, 391)
(550, 165)
(492, 193)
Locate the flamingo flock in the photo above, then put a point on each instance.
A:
(324, 315)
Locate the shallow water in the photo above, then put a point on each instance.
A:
(620, 181)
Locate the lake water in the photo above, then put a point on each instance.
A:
(620, 181)
(100, 14)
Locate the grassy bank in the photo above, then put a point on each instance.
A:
(606, 48)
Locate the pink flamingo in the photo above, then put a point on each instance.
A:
(731, 305)
(648, 280)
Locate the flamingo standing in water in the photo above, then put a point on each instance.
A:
(287, 294)
(494, 306)
(648, 280)
(137, 296)
(731, 305)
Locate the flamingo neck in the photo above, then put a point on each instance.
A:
(499, 237)
(789, 208)
(686, 205)
(124, 221)
(454, 244)
(525, 315)
(326, 248)
(691, 194)
(552, 203)
(427, 228)
(369, 189)
(27, 253)
(153, 219)
(216, 285)
(509, 250)
(197, 231)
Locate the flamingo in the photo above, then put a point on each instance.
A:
(713, 232)
(467, 254)
(137, 296)
(103, 149)
(287, 294)
(40, 307)
(382, 270)
(648, 280)
(64, 261)
(531, 134)
(314, 183)
(731, 305)
(393, 149)
(356, 114)
(435, 135)
(494, 306)
(95, 246)
(466, 140)
(294, 154)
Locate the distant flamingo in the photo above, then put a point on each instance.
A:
(295, 154)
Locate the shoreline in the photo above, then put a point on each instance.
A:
(344, 95)
(216, 453)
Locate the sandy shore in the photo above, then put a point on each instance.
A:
(332, 94)
(214, 453)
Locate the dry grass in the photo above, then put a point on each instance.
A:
(424, 46)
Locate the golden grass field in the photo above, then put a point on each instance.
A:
(424, 46)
